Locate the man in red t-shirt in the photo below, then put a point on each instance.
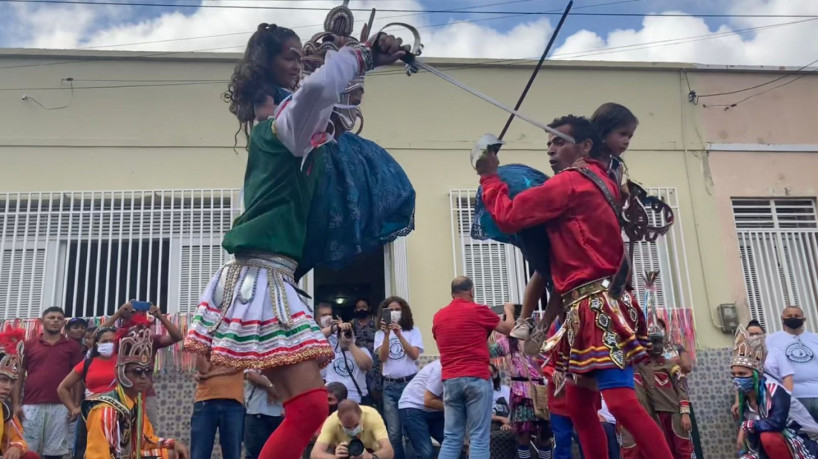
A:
(47, 359)
(461, 330)
(597, 343)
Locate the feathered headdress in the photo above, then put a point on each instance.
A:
(11, 351)
(749, 351)
(135, 347)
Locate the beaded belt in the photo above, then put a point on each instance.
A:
(279, 273)
(584, 291)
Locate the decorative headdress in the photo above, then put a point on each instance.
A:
(11, 351)
(135, 347)
(749, 351)
(338, 27)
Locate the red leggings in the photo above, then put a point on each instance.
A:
(681, 447)
(623, 405)
(775, 446)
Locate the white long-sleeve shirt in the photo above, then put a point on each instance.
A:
(299, 120)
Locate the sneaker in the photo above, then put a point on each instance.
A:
(522, 329)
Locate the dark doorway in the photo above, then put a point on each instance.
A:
(362, 279)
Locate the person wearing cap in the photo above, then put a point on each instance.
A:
(75, 330)
(118, 426)
(12, 443)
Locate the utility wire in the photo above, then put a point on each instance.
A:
(760, 85)
(594, 5)
(735, 104)
(387, 10)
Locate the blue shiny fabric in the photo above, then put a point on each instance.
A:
(532, 242)
(365, 200)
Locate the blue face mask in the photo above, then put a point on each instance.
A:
(744, 384)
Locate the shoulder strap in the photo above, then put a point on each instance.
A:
(351, 376)
(590, 175)
(620, 278)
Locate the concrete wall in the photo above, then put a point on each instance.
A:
(766, 146)
(180, 135)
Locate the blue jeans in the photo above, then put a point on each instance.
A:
(563, 430)
(613, 442)
(420, 426)
(225, 415)
(257, 429)
(467, 403)
(391, 415)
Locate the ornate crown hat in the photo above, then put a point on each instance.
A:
(135, 346)
(749, 351)
(338, 27)
(11, 351)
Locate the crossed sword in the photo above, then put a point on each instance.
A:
(414, 64)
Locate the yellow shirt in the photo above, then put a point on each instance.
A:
(103, 433)
(374, 429)
(11, 434)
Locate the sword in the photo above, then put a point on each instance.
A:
(538, 67)
(413, 65)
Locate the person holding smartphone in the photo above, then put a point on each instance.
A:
(133, 313)
(398, 344)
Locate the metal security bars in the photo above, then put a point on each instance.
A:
(499, 271)
(91, 251)
(778, 243)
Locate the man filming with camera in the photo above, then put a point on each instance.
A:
(354, 432)
(351, 362)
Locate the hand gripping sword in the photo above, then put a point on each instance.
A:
(413, 65)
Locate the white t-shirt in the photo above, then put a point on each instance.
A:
(399, 365)
(777, 366)
(415, 391)
(606, 414)
(801, 352)
(501, 401)
(337, 370)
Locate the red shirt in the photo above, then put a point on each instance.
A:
(101, 377)
(461, 330)
(46, 366)
(586, 241)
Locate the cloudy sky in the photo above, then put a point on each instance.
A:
(744, 32)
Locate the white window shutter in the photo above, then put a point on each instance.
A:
(778, 245)
(21, 283)
(198, 265)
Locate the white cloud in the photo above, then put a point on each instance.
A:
(680, 39)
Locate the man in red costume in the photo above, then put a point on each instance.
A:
(596, 345)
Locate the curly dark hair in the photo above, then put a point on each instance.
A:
(583, 130)
(406, 322)
(250, 84)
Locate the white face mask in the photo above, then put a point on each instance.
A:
(396, 316)
(105, 349)
(354, 432)
(326, 321)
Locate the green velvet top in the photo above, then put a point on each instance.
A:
(278, 193)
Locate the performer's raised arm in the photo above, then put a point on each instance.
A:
(308, 112)
(529, 208)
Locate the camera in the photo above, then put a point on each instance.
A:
(355, 447)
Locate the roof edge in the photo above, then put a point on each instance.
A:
(80, 54)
